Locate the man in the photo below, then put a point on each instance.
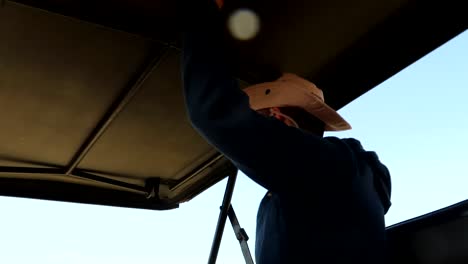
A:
(326, 197)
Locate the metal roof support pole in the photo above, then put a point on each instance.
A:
(241, 235)
(222, 218)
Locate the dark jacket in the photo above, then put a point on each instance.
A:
(327, 196)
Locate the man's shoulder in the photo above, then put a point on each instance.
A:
(352, 146)
(353, 143)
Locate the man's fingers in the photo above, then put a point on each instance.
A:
(219, 3)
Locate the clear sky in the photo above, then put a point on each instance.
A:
(416, 121)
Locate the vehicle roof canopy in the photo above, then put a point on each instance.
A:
(91, 91)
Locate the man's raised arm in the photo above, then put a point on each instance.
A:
(265, 149)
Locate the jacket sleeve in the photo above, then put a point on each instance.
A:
(265, 149)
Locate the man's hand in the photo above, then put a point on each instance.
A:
(196, 15)
(219, 3)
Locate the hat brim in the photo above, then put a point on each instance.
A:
(280, 96)
(332, 120)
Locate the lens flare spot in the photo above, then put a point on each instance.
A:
(244, 24)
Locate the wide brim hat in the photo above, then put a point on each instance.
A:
(291, 90)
